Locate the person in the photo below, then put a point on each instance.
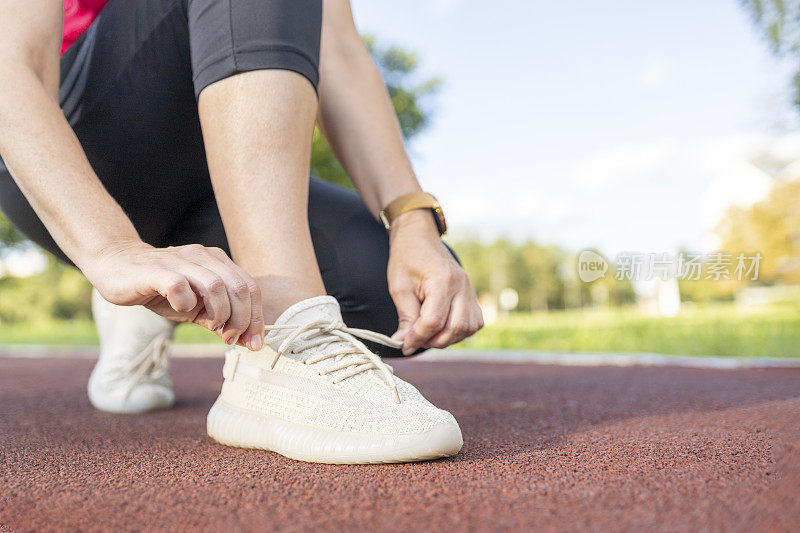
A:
(172, 135)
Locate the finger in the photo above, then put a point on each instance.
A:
(211, 288)
(460, 324)
(253, 337)
(478, 315)
(175, 289)
(408, 306)
(255, 333)
(237, 288)
(432, 319)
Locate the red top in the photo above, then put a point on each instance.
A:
(78, 16)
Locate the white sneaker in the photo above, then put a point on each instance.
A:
(131, 373)
(316, 393)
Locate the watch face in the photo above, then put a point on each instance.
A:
(441, 223)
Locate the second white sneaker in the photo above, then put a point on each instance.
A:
(131, 375)
(316, 393)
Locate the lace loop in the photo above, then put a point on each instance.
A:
(149, 364)
(353, 356)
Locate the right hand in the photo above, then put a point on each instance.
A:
(189, 283)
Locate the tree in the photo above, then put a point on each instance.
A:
(409, 95)
(9, 236)
(771, 227)
(537, 273)
(534, 273)
(780, 21)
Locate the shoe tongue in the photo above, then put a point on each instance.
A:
(306, 311)
(311, 310)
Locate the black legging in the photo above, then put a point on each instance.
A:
(128, 88)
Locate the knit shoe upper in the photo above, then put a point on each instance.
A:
(333, 398)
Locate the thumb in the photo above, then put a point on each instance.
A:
(407, 312)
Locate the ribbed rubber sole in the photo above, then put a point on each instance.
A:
(237, 427)
(144, 398)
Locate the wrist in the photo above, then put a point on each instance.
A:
(111, 233)
(95, 262)
(395, 190)
(418, 222)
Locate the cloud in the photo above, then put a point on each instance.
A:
(519, 210)
(445, 7)
(624, 163)
(678, 192)
(654, 73)
(649, 197)
(740, 170)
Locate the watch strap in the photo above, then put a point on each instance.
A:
(409, 202)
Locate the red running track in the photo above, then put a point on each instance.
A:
(547, 447)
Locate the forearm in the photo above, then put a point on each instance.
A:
(358, 120)
(47, 162)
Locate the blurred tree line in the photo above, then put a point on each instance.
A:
(59, 292)
(544, 276)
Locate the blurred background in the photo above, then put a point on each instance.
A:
(617, 176)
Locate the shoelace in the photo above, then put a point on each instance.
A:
(354, 356)
(149, 364)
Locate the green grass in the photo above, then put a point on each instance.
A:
(722, 330)
(82, 332)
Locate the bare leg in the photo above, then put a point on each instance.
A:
(257, 128)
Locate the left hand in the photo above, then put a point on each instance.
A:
(436, 303)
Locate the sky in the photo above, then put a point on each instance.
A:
(627, 126)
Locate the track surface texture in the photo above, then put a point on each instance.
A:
(550, 447)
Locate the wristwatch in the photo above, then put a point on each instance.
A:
(409, 202)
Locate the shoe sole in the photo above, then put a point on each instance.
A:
(113, 408)
(110, 404)
(233, 426)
